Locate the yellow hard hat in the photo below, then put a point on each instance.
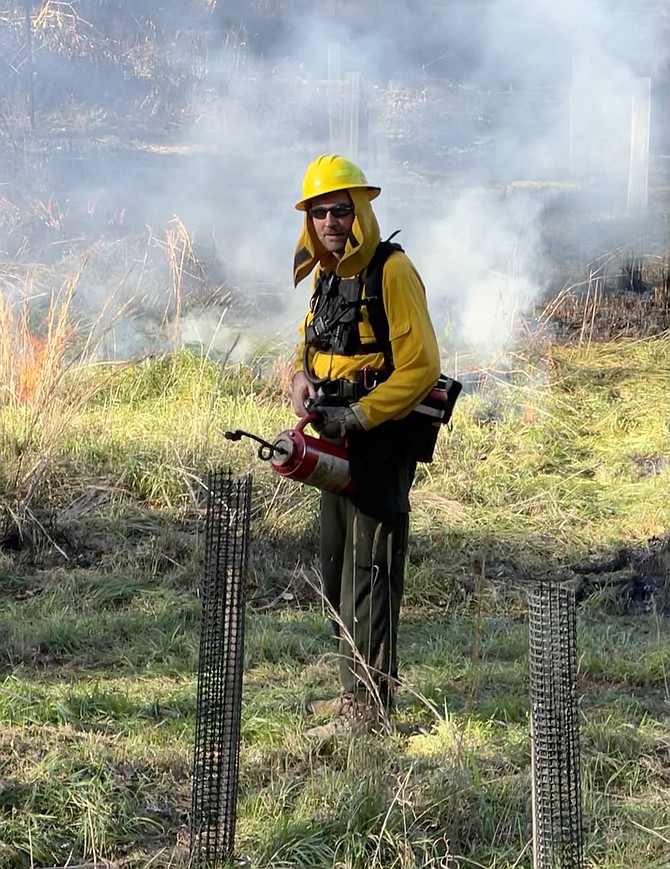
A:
(330, 172)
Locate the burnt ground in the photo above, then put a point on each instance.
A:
(633, 303)
(638, 578)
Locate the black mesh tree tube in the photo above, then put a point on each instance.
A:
(219, 693)
(557, 810)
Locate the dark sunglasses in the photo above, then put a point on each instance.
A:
(319, 212)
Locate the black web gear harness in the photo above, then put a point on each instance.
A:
(336, 307)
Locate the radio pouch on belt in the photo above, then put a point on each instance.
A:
(432, 412)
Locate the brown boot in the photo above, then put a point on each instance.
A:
(353, 715)
(329, 706)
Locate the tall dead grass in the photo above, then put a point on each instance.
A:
(45, 357)
(53, 358)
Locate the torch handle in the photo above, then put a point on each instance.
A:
(304, 420)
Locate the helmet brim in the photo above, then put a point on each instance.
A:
(373, 193)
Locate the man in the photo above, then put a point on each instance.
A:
(363, 386)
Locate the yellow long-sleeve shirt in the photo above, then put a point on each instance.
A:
(416, 356)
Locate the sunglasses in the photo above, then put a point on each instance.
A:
(320, 212)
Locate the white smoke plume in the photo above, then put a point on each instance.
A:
(541, 100)
(484, 123)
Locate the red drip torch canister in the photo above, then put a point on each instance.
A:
(311, 460)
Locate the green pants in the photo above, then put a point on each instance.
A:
(363, 565)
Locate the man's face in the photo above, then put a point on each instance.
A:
(331, 230)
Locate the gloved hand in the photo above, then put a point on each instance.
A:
(335, 422)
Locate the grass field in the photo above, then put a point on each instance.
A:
(552, 470)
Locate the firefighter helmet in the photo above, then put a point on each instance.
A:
(330, 172)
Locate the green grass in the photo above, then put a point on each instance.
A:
(564, 463)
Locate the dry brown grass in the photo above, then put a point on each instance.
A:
(45, 356)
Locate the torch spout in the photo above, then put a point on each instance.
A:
(266, 449)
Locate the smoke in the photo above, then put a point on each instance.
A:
(499, 131)
(558, 84)
(506, 115)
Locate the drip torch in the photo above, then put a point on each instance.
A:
(305, 459)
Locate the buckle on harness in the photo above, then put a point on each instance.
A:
(347, 391)
(339, 389)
